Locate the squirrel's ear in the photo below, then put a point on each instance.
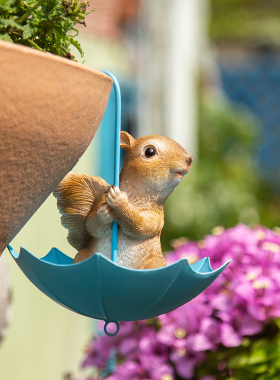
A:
(127, 140)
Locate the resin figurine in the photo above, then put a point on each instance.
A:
(153, 167)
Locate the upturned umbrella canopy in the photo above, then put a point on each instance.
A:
(101, 289)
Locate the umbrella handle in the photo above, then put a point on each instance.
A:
(117, 157)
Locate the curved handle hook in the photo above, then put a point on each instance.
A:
(117, 157)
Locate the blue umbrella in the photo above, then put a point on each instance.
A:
(101, 289)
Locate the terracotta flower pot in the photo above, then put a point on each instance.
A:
(50, 109)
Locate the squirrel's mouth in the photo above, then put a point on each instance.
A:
(181, 170)
(180, 173)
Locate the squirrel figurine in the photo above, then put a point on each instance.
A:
(153, 167)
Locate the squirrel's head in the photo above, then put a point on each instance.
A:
(154, 164)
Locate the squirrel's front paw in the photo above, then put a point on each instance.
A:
(116, 198)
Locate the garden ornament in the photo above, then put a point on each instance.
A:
(135, 284)
(153, 167)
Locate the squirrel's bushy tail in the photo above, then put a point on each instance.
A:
(76, 195)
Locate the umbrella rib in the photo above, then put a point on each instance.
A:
(102, 306)
(162, 295)
(56, 299)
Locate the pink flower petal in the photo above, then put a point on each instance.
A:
(250, 326)
(201, 343)
(185, 368)
(229, 338)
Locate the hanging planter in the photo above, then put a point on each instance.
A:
(50, 111)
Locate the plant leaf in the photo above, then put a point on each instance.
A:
(27, 32)
(77, 45)
(238, 361)
(10, 22)
(6, 37)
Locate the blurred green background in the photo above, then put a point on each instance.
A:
(246, 21)
(236, 174)
(224, 186)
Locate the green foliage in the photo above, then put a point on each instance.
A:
(253, 21)
(45, 25)
(224, 186)
(258, 358)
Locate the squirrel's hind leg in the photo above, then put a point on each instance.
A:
(98, 224)
(85, 252)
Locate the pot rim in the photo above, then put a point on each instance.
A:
(48, 56)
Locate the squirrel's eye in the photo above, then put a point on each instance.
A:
(149, 152)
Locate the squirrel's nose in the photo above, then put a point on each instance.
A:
(189, 160)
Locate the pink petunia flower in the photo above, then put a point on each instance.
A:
(244, 298)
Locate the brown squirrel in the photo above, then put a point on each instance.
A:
(153, 167)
